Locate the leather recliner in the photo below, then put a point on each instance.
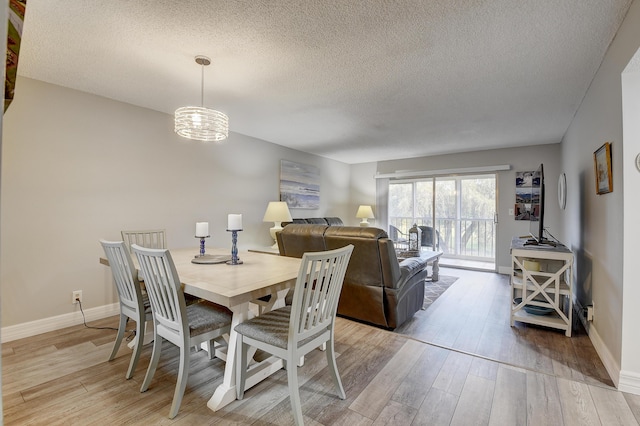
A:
(377, 289)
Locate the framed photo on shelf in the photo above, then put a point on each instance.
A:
(602, 166)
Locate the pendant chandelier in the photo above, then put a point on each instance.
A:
(200, 123)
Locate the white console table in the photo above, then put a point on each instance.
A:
(542, 277)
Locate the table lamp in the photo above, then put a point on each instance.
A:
(277, 212)
(364, 213)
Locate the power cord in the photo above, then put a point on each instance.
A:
(132, 333)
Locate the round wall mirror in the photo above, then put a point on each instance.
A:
(562, 191)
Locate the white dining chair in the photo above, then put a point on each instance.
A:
(133, 304)
(293, 331)
(153, 238)
(181, 324)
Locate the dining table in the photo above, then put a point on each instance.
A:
(235, 287)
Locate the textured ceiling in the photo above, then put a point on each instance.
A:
(356, 81)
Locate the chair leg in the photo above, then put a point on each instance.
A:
(121, 327)
(181, 385)
(137, 349)
(155, 356)
(241, 366)
(294, 392)
(333, 367)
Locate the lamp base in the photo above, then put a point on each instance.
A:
(364, 222)
(275, 228)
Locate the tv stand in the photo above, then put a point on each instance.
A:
(542, 285)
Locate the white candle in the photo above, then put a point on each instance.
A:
(202, 229)
(234, 222)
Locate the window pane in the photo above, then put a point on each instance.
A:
(400, 205)
(446, 199)
(477, 200)
(424, 202)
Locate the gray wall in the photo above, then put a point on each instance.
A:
(599, 227)
(78, 167)
(630, 361)
(363, 190)
(520, 159)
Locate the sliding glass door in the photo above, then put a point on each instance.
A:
(460, 208)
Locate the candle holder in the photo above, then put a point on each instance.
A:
(202, 245)
(234, 248)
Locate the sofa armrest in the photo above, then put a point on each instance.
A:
(409, 268)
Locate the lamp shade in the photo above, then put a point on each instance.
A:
(365, 212)
(277, 211)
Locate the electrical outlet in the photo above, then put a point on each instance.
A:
(76, 296)
(590, 313)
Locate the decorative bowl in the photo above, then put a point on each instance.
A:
(533, 309)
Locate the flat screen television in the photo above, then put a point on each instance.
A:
(536, 214)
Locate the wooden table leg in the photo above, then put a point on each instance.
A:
(225, 393)
(435, 275)
(148, 335)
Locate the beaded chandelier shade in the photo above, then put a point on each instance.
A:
(200, 123)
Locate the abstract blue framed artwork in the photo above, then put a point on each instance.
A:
(299, 185)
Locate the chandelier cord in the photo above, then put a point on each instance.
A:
(202, 85)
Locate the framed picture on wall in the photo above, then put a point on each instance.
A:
(524, 195)
(602, 168)
(299, 185)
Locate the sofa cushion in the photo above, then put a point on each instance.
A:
(373, 261)
(334, 221)
(365, 265)
(316, 220)
(370, 232)
(296, 239)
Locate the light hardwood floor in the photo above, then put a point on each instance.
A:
(63, 377)
(472, 316)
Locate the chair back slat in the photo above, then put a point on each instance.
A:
(124, 273)
(155, 238)
(318, 287)
(163, 286)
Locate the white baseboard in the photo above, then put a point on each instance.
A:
(609, 362)
(629, 382)
(504, 270)
(32, 328)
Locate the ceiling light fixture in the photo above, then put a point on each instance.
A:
(200, 123)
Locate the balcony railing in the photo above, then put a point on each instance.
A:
(464, 238)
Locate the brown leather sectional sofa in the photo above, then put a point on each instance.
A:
(377, 288)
